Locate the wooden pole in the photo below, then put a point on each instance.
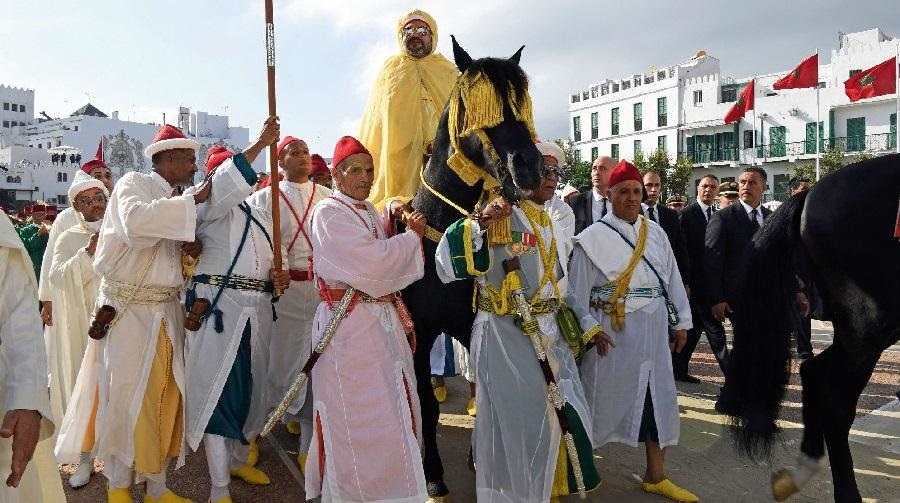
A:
(273, 157)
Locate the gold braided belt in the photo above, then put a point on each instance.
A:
(538, 307)
(134, 294)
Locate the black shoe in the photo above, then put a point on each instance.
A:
(687, 378)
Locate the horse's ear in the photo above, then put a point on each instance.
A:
(460, 56)
(517, 56)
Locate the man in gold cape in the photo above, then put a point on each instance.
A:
(404, 108)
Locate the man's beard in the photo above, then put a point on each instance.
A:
(417, 50)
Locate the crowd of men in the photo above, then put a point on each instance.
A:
(167, 325)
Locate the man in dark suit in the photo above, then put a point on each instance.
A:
(592, 205)
(668, 220)
(729, 232)
(694, 218)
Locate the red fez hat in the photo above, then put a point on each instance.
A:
(268, 181)
(169, 137)
(346, 147)
(318, 165)
(92, 165)
(284, 143)
(39, 208)
(216, 156)
(624, 171)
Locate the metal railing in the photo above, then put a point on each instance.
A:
(777, 151)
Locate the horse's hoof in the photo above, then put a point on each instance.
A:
(783, 486)
(437, 492)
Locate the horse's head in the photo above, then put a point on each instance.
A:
(491, 125)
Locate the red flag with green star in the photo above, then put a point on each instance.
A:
(805, 75)
(879, 80)
(744, 104)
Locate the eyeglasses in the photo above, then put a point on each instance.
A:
(87, 200)
(419, 31)
(546, 170)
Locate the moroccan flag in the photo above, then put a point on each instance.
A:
(879, 80)
(99, 154)
(805, 75)
(744, 104)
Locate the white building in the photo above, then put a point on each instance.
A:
(16, 108)
(28, 173)
(692, 100)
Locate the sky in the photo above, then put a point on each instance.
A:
(144, 59)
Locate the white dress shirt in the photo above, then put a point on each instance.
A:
(600, 202)
(749, 209)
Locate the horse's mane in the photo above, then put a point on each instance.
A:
(502, 73)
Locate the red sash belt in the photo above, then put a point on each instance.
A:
(300, 275)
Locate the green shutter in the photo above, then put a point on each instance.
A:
(691, 148)
(614, 123)
(856, 134)
(576, 128)
(614, 151)
(638, 116)
(595, 130)
(777, 141)
(892, 136)
(661, 112)
(637, 146)
(661, 143)
(594, 154)
(831, 127)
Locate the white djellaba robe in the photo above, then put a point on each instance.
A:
(77, 285)
(366, 410)
(209, 355)
(517, 437)
(59, 396)
(141, 214)
(616, 385)
(290, 346)
(564, 230)
(23, 372)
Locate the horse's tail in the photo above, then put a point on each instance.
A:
(764, 316)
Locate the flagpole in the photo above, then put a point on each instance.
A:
(753, 83)
(818, 117)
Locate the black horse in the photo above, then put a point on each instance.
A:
(844, 231)
(510, 158)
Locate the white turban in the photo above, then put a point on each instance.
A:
(553, 150)
(82, 182)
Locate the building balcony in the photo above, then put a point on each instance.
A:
(872, 143)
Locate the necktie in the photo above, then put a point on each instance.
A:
(603, 209)
(754, 224)
(652, 213)
(708, 214)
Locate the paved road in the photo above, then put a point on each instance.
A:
(703, 461)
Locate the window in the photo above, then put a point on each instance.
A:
(6, 124)
(637, 80)
(62, 199)
(577, 155)
(21, 108)
(614, 151)
(660, 75)
(5, 105)
(780, 189)
(698, 97)
(604, 89)
(40, 145)
(856, 134)
(748, 139)
(76, 128)
(810, 143)
(626, 84)
(661, 143)
(595, 152)
(59, 177)
(637, 147)
(821, 85)
(777, 141)
(15, 107)
(576, 128)
(594, 92)
(671, 72)
(649, 78)
(584, 95)
(854, 72)
(595, 126)
(615, 121)
(615, 87)
(9, 179)
(638, 116)
(729, 94)
(576, 98)
(892, 136)
(662, 112)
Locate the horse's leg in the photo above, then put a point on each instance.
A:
(789, 481)
(846, 382)
(431, 459)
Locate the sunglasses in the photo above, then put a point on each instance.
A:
(86, 200)
(546, 170)
(419, 31)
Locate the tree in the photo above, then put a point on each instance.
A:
(830, 161)
(576, 173)
(640, 162)
(659, 162)
(679, 177)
